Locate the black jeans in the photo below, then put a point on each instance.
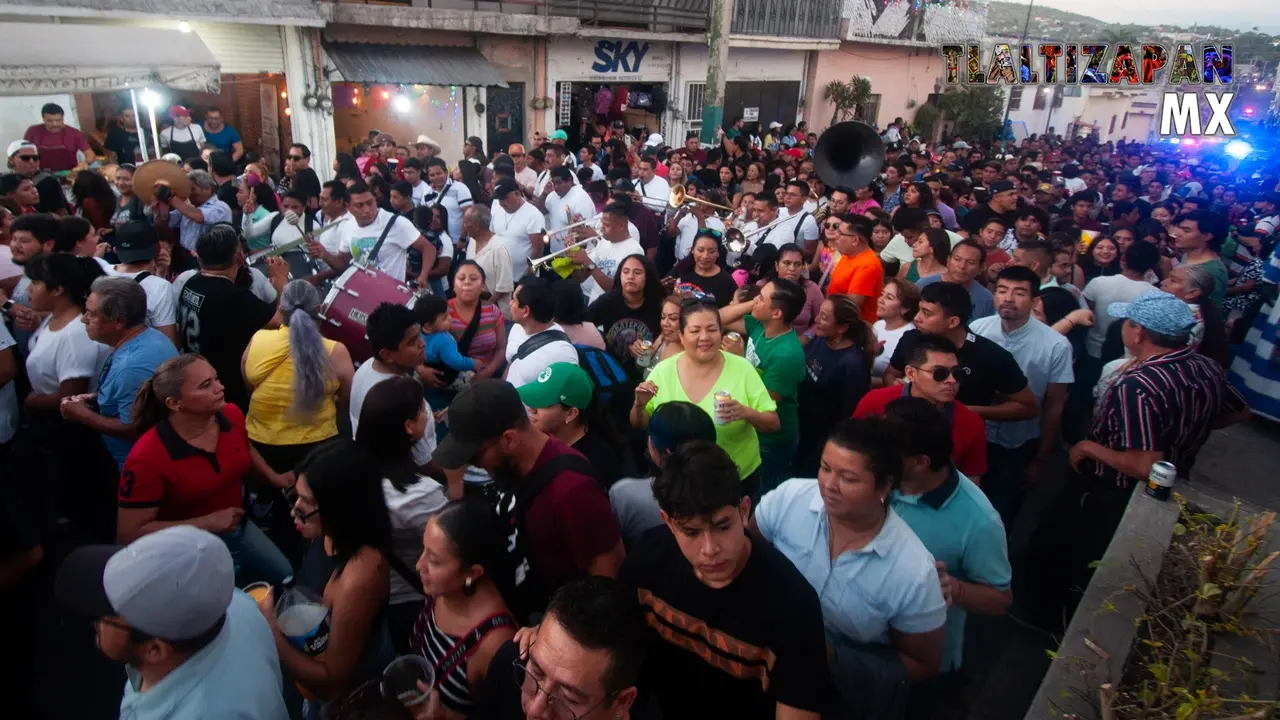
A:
(1005, 478)
(1076, 531)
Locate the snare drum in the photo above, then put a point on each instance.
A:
(355, 294)
(301, 265)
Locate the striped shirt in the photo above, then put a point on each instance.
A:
(1165, 404)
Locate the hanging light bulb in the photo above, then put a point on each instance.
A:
(284, 94)
(288, 111)
(401, 104)
(385, 95)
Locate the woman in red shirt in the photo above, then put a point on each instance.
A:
(189, 464)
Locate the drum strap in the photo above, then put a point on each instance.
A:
(372, 260)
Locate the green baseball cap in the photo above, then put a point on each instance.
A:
(562, 382)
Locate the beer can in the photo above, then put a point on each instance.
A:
(646, 345)
(733, 336)
(721, 397)
(1160, 480)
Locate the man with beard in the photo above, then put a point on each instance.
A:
(30, 236)
(559, 522)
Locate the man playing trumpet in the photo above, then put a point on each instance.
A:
(596, 266)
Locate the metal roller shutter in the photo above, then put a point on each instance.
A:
(243, 48)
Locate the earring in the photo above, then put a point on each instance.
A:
(468, 587)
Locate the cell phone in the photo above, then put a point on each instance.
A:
(7, 307)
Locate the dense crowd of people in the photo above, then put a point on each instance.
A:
(754, 454)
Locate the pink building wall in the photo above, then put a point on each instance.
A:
(898, 75)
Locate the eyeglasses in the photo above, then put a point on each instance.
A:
(530, 686)
(295, 500)
(295, 158)
(29, 158)
(941, 373)
(831, 226)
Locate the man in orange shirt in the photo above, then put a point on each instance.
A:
(859, 273)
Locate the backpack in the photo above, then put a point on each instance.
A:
(606, 373)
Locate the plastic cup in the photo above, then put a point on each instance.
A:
(400, 680)
(257, 590)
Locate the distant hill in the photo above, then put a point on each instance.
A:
(1006, 19)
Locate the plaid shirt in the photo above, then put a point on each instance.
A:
(1165, 404)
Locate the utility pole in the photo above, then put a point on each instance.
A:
(717, 61)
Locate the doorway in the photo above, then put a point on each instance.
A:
(504, 117)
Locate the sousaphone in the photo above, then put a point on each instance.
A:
(848, 154)
(160, 172)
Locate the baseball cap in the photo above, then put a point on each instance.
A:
(383, 139)
(172, 584)
(654, 140)
(775, 125)
(960, 145)
(562, 382)
(179, 110)
(505, 187)
(1044, 188)
(19, 145)
(624, 186)
(957, 165)
(558, 135)
(1000, 186)
(480, 413)
(136, 242)
(1157, 311)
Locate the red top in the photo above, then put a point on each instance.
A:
(57, 150)
(184, 482)
(968, 431)
(569, 523)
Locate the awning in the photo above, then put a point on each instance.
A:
(38, 58)
(412, 65)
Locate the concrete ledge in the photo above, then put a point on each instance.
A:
(452, 20)
(783, 43)
(1142, 540)
(289, 13)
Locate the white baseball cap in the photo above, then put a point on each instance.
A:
(17, 145)
(173, 584)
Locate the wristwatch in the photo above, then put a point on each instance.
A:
(592, 266)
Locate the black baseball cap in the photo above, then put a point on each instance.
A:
(481, 412)
(505, 187)
(136, 242)
(1000, 186)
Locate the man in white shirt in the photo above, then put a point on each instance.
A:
(650, 185)
(454, 196)
(587, 158)
(532, 310)
(137, 246)
(553, 157)
(396, 339)
(1101, 292)
(598, 265)
(803, 230)
(412, 170)
(356, 240)
(518, 219)
(526, 177)
(765, 210)
(333, 204)
(687, 221)
(566, 204)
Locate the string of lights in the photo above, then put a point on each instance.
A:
(400, 98)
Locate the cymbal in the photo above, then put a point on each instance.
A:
(154, 172)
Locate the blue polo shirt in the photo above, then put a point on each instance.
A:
(959, 527)
(124, 371)
(235, 676)
(224, 139)
(892, 582)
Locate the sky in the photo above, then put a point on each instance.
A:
(1238, 14)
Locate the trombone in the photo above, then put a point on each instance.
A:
(678, 197)
(559, 260)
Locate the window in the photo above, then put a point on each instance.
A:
(565, 105)
(1042, 99)
(868, 111)
(1015, 97)
(693, 103)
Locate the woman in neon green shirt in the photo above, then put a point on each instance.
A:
(701, 371)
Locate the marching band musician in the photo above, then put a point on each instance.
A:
(686, 223)
(520, 222)
(566, 204)
(596, 267)
(375, 227)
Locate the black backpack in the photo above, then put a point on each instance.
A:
(606, 373)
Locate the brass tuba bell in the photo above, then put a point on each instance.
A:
(848, 154)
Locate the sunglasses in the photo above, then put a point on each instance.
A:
(295, 158)
(831, 226)
(710, 232)
(940, 374)
(29, 158)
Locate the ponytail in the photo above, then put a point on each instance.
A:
(845, 312)
(150, 405)
(312, 366)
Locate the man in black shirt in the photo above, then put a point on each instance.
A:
(992, 383)
(217, 314)
(223, 170)
(735, 631)
(1002, 203)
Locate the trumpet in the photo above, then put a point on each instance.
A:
(679, 197)
(559, 259)
(580, 223)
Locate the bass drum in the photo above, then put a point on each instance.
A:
(355, 294)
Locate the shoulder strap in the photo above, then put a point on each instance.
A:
(141, 276)
(468, 335)
(539, 341)
(469, 641)
(275, 223)
(535, 481)
(411, 578)
(373, 254)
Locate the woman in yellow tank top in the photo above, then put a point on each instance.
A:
(297, 380)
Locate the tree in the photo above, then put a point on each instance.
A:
(976, 112)
(847, 97)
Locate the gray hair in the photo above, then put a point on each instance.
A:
(1198, 279)
(312, 366)
(202, 178)
(481, 215)
(122, 300)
